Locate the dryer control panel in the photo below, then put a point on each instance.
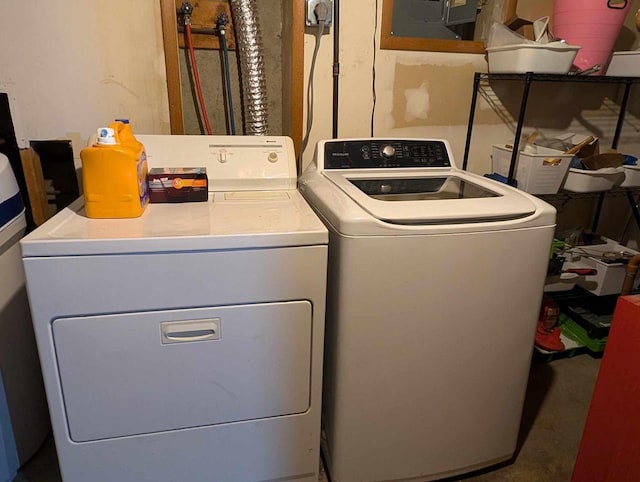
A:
(385, 154)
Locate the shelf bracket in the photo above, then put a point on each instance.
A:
(528, 78)
(472, 111)
(623, 110)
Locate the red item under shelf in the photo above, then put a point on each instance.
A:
(610, 445)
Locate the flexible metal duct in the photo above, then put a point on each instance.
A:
(249, 49)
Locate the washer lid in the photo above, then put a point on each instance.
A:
(435, 197)
(229, 220)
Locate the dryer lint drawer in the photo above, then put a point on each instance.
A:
(139, 373)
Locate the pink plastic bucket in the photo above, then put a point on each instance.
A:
(594, 25)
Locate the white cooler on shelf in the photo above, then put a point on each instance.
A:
(24, 420)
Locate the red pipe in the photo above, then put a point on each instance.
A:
(196, 79)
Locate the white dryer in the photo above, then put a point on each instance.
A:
(186, 344)
(434, 288)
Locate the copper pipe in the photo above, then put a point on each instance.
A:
(630, 275)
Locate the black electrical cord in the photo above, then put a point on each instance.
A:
(373, 68)
(336, 65)
(227, 78)
(221, 23)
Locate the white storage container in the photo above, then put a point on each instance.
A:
(553, 58)
(540, 173)
(583, 180)
(610, 276)
(625, 64)
(24, 420)
(631, 175)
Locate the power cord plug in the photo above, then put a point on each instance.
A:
(321, 11)
(317, 11)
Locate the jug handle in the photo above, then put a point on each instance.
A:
(122, 132)
(617, 6)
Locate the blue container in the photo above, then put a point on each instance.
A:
(9, 462)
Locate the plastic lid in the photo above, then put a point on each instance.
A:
(8, 184)
(10, 200)
(106, 136)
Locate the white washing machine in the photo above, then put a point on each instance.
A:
(434, 288)
(186, 344)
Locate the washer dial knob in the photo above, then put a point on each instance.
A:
(387, 151)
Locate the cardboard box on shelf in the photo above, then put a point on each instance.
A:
(518, 15)
(588, 150)
(567, 140)
(525, 10)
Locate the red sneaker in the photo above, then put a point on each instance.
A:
(548, 340)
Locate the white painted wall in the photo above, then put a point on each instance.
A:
(70, 67)
(413, 116)
(428, 94)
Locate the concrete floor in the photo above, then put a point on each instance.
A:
(555, 409)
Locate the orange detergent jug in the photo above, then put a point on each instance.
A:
(114, 174)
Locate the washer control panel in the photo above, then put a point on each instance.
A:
(385, 154)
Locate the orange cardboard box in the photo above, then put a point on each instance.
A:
(177, 184)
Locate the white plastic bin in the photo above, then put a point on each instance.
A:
(553, 58)
(625, 64)
(631, 176)
(583, 180)
(610, 276)
(540, 173)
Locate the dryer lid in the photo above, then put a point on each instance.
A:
(437, 197)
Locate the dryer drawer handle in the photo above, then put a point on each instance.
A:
(188, 331)
(193, 335)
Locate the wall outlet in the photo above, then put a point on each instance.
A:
(311, 19)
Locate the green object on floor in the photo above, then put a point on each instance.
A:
(573, 330)
(556, 244)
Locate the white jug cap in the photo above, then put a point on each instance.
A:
(106, 136)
